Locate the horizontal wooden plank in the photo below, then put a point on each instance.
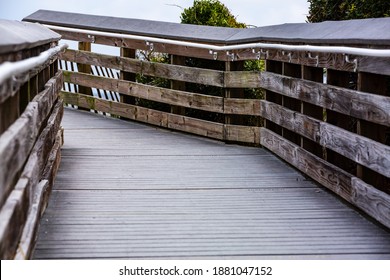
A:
(53, 162)
(294, 121)
(27, 239)
(345, 185)
(360, 149)
(13, 215)
(40, 153)
(143, 67)
(236, 106)
(17, 142)
(169, 96)
(244, 134)
(141, 45)
(22, 202)
(196, 126)
(362, 105)
(154, 117)
(15, 146)
(325, 60)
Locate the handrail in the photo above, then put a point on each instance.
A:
(285, 47)
(10, 69)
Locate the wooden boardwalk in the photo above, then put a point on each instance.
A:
(126, 190)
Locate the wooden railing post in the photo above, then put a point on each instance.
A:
(345, 80)
(127, 76)
(234, 93)
(314, 74)
(178, 85)
(273, 67)
(295, 71)
(83, 68)
(380, 85)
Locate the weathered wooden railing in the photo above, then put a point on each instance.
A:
(30, 134)
(326, 112)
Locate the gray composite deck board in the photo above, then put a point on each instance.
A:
(126, 190)
(360, 32)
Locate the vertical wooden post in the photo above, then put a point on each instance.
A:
(377, 84)
(83, 68)
(178, 85)
(295, 71)
(317, 75)
(341, 79)
(234, 93)
(24, 96)
(273, 67)
(127, 76)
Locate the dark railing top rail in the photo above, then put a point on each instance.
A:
(352, 32)
(17, 36)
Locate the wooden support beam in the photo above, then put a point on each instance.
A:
(127, 76)
(378, 85)
(153, 69)
(178, 85)
(272, 95)
(314, 74)
(169, 96)
(84, 67)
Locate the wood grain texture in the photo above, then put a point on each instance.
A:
(17, 142)
(362, 105)
(245, 134)
(27, 239)
(325, 60)
(13, 215)
(181, 123)
(169, 195)
(360, 149)
(141, 45)
(366, 197)
(169, 96)
(154, 69)
(15, 146)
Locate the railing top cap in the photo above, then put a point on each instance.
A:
(356, 32)
(17, 36)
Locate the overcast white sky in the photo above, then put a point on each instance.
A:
(253, 12)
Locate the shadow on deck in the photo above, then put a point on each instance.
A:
(126, 190)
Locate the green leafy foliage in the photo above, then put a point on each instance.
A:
(214, 13)
(322, 10)
(210, 12)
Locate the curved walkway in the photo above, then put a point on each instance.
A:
(127, 190)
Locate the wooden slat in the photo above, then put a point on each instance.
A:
(141, 45)
(172, 97)
(15, 146)
(238, 106)
(27, 240)
(182, 123)
(345, 185)
(22, 198)
(360, 149)
(168, 71)
(195, 126)
(12, 218)
(325, 60)
(362, 105)
(17, 142)
(243, 134)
